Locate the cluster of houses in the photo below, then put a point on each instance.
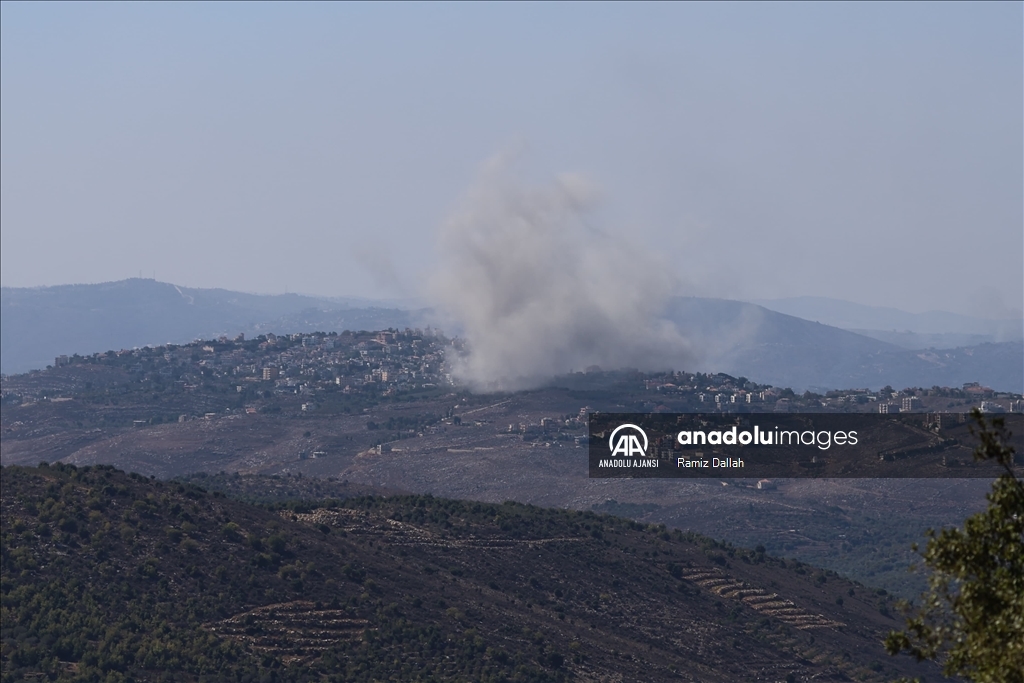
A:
(726, 394)
(390, 361)
(386, 362)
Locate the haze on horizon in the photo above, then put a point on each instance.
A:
(868, 152)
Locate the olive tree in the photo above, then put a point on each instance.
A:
(971, 618)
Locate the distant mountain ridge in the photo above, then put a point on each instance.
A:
(729, 336)
(41, 323)
(881, 320)
(744, 339)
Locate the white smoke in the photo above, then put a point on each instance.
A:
(537, 293)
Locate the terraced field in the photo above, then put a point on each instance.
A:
(759, 599)
(293, 630)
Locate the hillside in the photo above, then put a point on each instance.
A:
(747, 340)
(851, 316)
(203, 409)
(728, 336)
(41, 323)
(116, 575)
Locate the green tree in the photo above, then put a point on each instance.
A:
(971, 619)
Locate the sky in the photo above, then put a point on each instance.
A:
(871, 152)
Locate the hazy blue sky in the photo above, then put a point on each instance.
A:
(871, 152)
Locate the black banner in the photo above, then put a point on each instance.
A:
(770, 446)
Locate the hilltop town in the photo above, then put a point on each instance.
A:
(351, 372)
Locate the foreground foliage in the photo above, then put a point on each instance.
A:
(972, 617)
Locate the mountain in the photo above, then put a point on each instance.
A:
(748, 340)
(44, 322)
(110, 576)
(938, 329)
(729, 336)
(927, 340)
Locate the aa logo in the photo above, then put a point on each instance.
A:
(625, 440)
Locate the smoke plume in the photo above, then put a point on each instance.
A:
(536, 292)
